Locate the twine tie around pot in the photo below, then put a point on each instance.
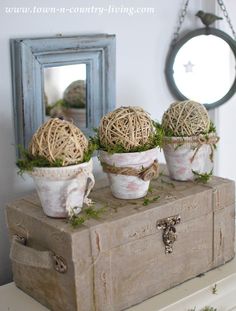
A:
(197, 142)
(73, 188)
(145, 174)
(208, 140)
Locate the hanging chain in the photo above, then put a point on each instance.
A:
(223, 8)
(180, 22)
(184, 12)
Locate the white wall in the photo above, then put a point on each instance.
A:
(142, 45)
(226, 114)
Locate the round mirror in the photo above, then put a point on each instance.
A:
(201, 66)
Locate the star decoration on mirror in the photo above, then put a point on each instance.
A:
(189, 66)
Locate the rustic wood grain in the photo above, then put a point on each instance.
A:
(120, 260)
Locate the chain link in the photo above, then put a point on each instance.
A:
(180, 22)
(226, 15)
(184, 12)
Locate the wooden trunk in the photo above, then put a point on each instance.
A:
(120, 260)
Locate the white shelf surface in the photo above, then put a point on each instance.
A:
(223, 298)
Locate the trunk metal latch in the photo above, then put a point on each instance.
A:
(169, 234)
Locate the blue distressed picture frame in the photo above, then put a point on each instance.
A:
(30, 56)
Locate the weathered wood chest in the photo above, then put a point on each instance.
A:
(126, 256)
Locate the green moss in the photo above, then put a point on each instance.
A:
(214, 289)
(155, 140)
(212, 128)
(204, 309)
(58, 104)
(86, 214)
(92, 147)
(76, 221)
(27, 162)
(202, 177)
(207, 308)
(94, 213)
(150, 189)
(79, 104)
(148, 201)
(61, 103)
(169, 183)
(170, 133)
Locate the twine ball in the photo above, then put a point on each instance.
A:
(186, 118)
(128, 127)
(59, 140)
(75, 94)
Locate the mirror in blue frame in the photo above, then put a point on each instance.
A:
(73, 76)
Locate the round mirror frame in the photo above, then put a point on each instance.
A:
(169, 71)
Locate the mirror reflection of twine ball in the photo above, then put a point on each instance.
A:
(59, 140)
(75, 94)
(186, 118)
(128, 127)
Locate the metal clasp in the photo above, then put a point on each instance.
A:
(59, 264)
(20, 239)
(169, 234)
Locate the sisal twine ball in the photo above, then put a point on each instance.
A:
(59, 140)
(186, 118)
(128, 127)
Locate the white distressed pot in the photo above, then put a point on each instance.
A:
(181, 157)
(61, 189)
(128, 187)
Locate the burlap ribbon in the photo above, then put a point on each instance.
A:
(145, 174)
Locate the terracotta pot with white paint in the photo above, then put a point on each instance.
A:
(190, 140)
(128, 140)
(63, 189)
(187, 154)
(135, 184)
